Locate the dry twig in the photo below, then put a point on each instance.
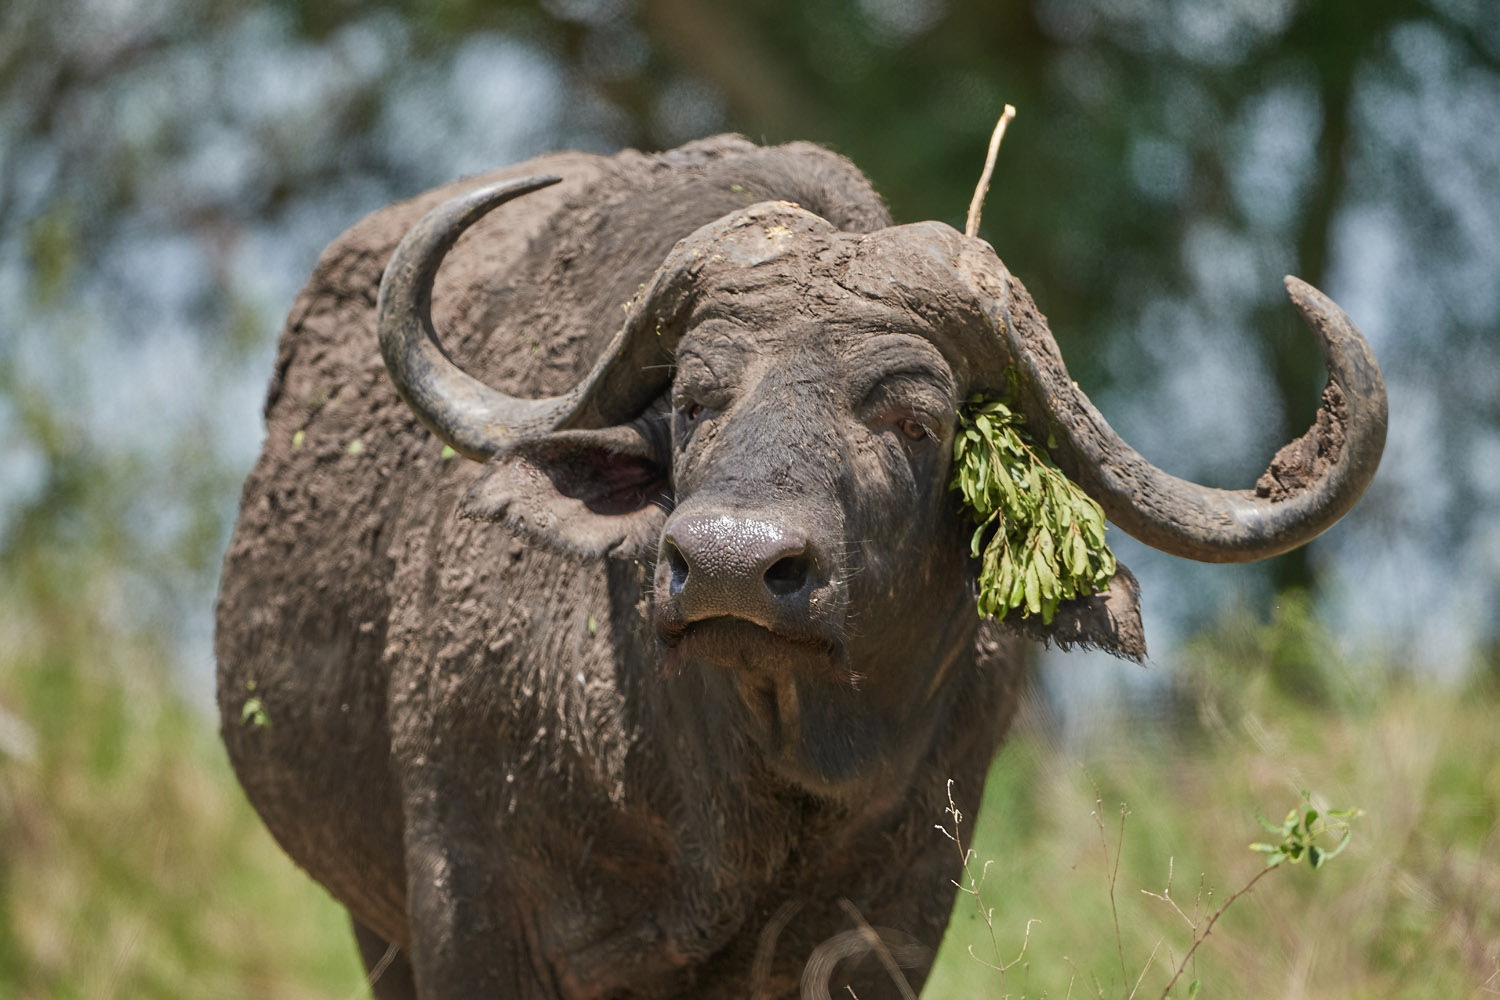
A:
(872, 938)
(971, 227)
(1208, 928)
(1113, 868)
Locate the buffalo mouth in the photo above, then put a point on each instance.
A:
(745, 647)
(770, 670)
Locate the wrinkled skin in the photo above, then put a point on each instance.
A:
(632, 706)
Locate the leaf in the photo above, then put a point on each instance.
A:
(1017, 594)
(254, 714)
(1078, 554)
(1038, 536)
(978, 540)
(1068, 588)
(1046, 579)
(1044, 544)
(1343, 843)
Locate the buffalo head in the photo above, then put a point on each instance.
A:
(771, 430)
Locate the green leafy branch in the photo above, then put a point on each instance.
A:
(1300, 831)
(1041, 537)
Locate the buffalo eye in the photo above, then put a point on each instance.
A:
(691, 411)
(914, 429)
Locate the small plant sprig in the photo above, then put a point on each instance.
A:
(1041, 536)
(1298, 834)
(974, 886)
(1300, 831)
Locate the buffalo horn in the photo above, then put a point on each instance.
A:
(1311, 483)
(472, 418)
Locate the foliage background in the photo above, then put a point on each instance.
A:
(169, 170)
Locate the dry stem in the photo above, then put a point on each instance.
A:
(1208, 928)
(987, 914)
(765, 950)
(1113, 869)
(379, 970)
(1144, 969)
(872, 938)
(971, 227)
(1166, 897)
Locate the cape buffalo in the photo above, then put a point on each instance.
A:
(604, 649)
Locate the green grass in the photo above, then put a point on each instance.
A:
(1411, 909)
(130, 865)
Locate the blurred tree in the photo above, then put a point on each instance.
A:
(169, 169)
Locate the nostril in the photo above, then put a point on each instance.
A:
(678, 567)
(788, 575)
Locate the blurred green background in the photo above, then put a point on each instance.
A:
(169, 170)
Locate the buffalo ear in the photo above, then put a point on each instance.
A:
(588, 492)
(1110, 621)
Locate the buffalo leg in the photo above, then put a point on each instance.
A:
(468, 942)
(387, 970)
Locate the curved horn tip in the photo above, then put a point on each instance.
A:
(1325, 470)
(465, 413)
(524, 185)
(480, 201)
(1304, 292)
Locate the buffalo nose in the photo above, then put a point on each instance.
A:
(743, 567)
